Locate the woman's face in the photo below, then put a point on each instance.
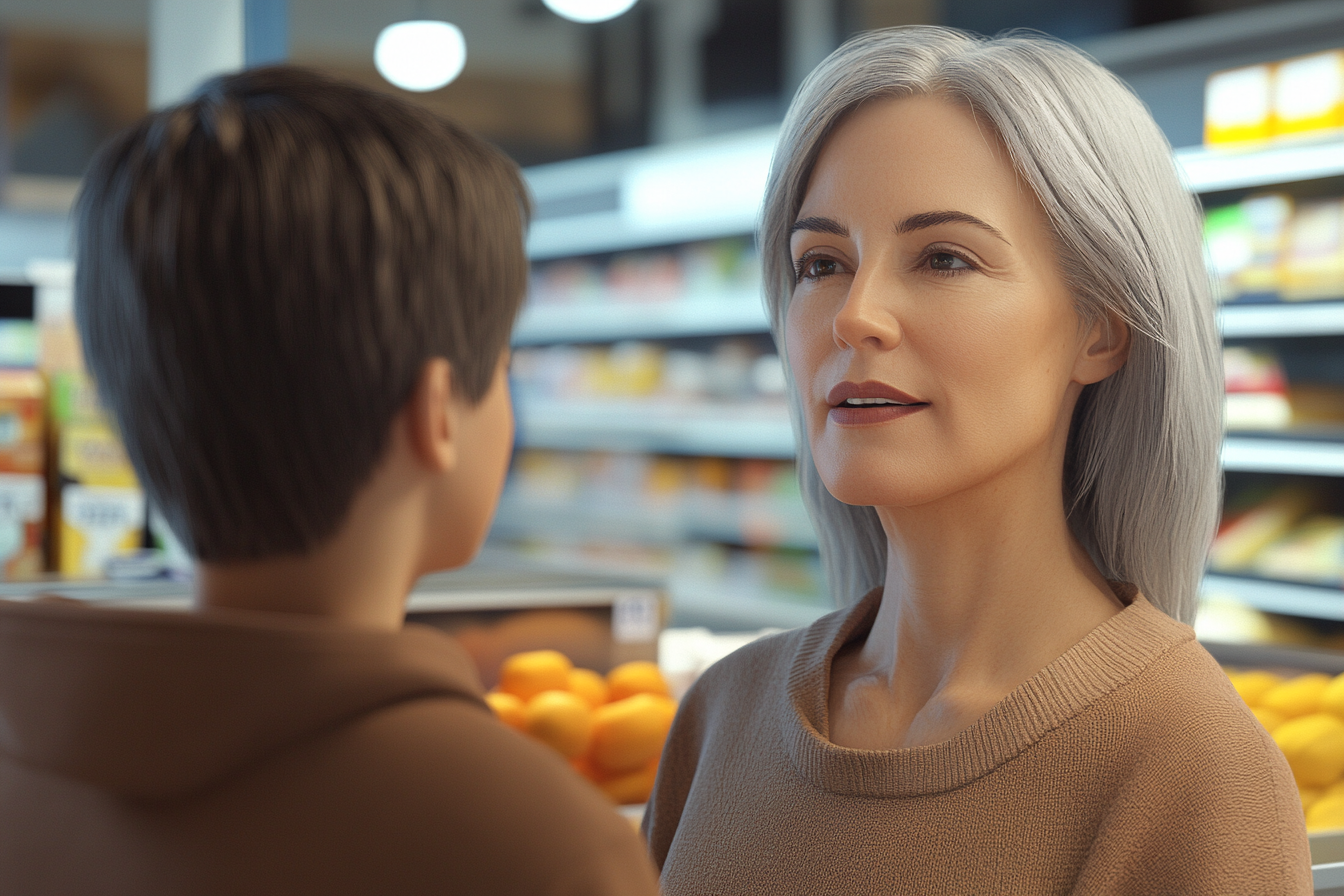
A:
(930, 334)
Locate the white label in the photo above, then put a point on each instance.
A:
(635, 617)
(22, 497)
(1240, 96)
(1309, 86)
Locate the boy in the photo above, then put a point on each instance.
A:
(295, 296)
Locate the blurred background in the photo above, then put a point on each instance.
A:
(653, 441)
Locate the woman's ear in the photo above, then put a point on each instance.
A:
(432, 417)
(1104, 349)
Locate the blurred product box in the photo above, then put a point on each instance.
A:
(1257, 390)
(101, 509)
(1270, 247)
(1312, 265)
(1237, 105)
(1309, 94)
(1300, 97)
(22, 478)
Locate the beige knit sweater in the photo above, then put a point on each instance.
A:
(1128, 765)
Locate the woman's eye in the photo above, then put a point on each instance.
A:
(816, 268)
(947, 262)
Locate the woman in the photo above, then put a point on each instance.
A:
(989, 287)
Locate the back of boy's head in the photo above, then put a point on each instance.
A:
(262, 273)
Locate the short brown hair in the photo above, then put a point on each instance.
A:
(262, 273)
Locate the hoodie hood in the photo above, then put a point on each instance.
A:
(158, 706)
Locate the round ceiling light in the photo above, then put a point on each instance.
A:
(588, 10)
(420, 55)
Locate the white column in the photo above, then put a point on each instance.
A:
(811, 32)
(190, 41)
(680, 28)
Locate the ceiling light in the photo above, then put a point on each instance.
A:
(589, 10)
(421, 55)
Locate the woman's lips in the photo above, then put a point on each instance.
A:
(880, 413)
(850, 403)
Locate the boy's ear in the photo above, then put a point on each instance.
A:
(432, 416)
(1105, 349)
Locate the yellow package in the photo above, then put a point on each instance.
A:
(1309, 94)
(97, 524)
(1237, 105)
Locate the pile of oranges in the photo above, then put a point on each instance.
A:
(1305, 716)
(611, 729)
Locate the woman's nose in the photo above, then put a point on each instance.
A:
(868, 316)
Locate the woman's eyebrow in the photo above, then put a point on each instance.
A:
(925, 220)
(819, 225)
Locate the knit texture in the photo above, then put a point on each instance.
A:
(1128, 765)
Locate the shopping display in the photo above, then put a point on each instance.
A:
(1292, 98)
(701, 272)
(1274, 247)
(100, 504)
(611, 729)
(1305, 716)
(1286, 533)
(1260, 395)
(23, 491)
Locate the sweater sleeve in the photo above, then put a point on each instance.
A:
(1208, 806)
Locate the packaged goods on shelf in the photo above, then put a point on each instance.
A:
(1285, 536)
(653, 499)
(1238, 105)
(101, 506)
(1309, 94)
(1227, 620)
(697, 272)
(23, 494)
(1257, 390)
(1270, 247)
(1312, 265)
(732, 370)
(1294, 98)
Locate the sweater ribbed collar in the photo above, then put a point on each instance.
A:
(1111, 655)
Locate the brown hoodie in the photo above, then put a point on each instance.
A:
(148, 753)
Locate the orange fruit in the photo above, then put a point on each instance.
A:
(589, 685)
(1298, 696)
(584, 766)
(1269, 719)
(629, 733)
(1332, 698)
(631, 787)
(1254, 684)
(636, 677)
(561, 720)
(525, 675)
(1314, 748)
(509, 708)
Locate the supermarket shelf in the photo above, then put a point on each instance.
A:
(729, 313)
(718, 430)
(710, 603)
(761, 521)
(1279, 455)
(1282, 319)
(1314, 601)
(1208, 171)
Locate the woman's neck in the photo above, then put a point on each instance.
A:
(984, 588)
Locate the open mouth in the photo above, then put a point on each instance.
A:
(870, 402)
(877, 403)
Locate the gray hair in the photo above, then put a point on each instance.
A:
(1141, 478)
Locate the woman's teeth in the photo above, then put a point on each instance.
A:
(869, 402)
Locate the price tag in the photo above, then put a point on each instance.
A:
(635, 617)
